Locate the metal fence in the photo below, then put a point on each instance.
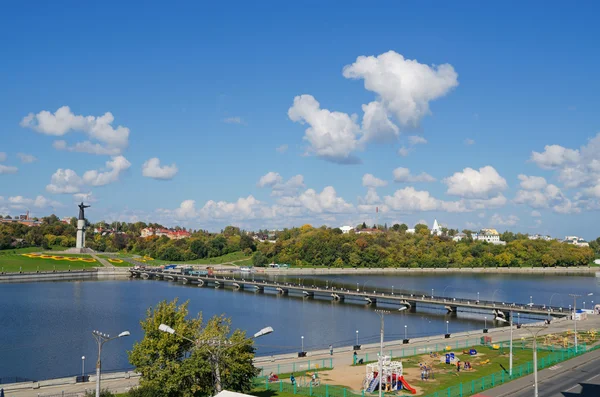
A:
(290, 368)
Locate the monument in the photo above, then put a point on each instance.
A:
(80, 244)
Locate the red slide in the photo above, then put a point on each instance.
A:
(407, 386)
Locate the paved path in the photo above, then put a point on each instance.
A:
(103, 261)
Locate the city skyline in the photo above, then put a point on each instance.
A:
(190, 116)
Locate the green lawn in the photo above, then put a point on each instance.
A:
(16, 262)
(218, 260)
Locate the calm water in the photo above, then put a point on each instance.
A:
(46, 327)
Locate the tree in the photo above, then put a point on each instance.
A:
(177, 366)
(247, 242)
(259, 259)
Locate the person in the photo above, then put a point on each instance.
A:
(355, 356)
(331, 350)
(314, 378)
(292, 379)
(458, 366)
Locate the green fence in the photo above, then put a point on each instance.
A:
(295, 367)
(303, 386)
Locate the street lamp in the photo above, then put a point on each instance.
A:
(302, 337)
(392, 290)
(356, 337)
(381, 314)
(215, 355)
(485, 323)
(575, 296)
(510, 359)
(478, 297)
(102, 339)
(432, 293)
(447, 325)
(530, 328)
(82, 367)
(405, 332)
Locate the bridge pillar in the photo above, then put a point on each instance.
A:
(451, 309)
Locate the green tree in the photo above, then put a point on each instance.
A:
(259, 259)
(177, 366)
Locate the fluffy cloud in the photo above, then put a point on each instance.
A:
(555, 156)
(469, 141)
(26, 158)
(20, 202)
(416, 140)
(333, 136)
(536, 213)
(404, 86)
(403, 151)
(282, 148)
(2, 156)
(84, 197)
(411, 200)
(402, 174)
(279, 187)
(376, 125)
(532, 182)
(233, 120)
(471, 183)
(111, 140)
(549, 196)
(369, 180)
(153, 169)
(6, 169)
(66, 181)
(243, 208)
(270, 179)
(500, 220)
(326, 201)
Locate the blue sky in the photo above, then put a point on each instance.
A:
(209, 90)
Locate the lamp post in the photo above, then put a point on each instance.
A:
(302, 339)
(215, 355)
(82, 366)
(575, 296)
(447, 325)
(356, 337)
(533, 333)
(392, 290)
(102, 339)
(510, 358)
(530, 300)
(405, 332)
(381, 314)
(478, 297)
(432, 293)
(485, 322)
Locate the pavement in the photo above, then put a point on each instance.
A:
(578, 377)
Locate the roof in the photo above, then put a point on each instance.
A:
(227, 393)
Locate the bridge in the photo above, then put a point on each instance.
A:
(404, 301)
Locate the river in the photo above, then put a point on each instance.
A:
(45, 328)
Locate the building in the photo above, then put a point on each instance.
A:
(346, 229)
(436, 230)
(577, 241)
(540, 237)
(23, 220)
(369, 231)
(66, 220)
(410, 231)
(489, 235)
(172, 234)
(459, 237)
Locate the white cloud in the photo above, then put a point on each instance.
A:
(282, 148)
(332, 136)
(550, 196)
(402, 174)
(7, 169)
(26, 158)
(536, 213)
(494, 202)
(87, 147)
(369, 180)
(243, 208)
(186, 210)
(404, 87)
(84, 197)
(115, 167)
(233, 120)
(532, 182)
(20, 202)
(411, 200)
(270, 179)
(64, 181)
(403, 151)
(326, 201)
(469, 141)
(376, 125)
(416, 140)
(2, 156)
(111, 140)
(153, 169)
(509, 220)
(471, 183)
(554, 156)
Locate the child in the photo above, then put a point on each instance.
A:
(292, 379)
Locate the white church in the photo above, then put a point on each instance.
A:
(436, 230)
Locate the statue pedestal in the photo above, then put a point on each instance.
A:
(80, 243)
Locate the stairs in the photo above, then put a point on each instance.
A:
(373, 385)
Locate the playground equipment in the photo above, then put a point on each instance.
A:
(391, 379)
(449, 358)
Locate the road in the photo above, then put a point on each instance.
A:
(578, 377)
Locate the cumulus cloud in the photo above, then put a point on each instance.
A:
(26, 158)
(416, 140)
(270, 179)
(282, 148)
(7, 169)
(548, 196)
(471, 183)
(84, 197)
(402, 174)
(20, 202)
(153, 169)
(532, 182)
(371, 181)
(554, 156)
(333, 136)
(536, 213)
(279, 187)
(469, 141)
(376, 125)
(411, 200)
(66, 181)
(326, 201)
(403, 151)
(500, 220)
(233, 120)
(404, 87)
(110, 140)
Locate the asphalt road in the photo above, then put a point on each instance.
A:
(579, 377)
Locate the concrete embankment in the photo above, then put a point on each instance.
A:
(318, 271)
(112, 273)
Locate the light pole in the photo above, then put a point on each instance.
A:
(215, 355)
(533, 333)
(510, 358)
(102, 339)
(478, 297)
(485, 322)
(356, 337)
(392, 290)
(405, 332)
(447, 325)
(381, 314)
(432, 293)
(530, 300)
(302, 338)
(575, 296)
(82, 367)
(357, 289)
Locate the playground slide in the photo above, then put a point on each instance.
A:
(373, 385)
(407, 386)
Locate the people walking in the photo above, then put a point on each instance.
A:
(331, 350)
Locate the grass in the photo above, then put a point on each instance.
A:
(11, 263)
(236, 257)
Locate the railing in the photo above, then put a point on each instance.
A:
(290, 368)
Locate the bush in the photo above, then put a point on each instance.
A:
(103, 393)
(144, 391)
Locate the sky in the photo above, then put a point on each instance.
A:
(276, 114)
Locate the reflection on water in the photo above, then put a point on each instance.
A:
(46, 327)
